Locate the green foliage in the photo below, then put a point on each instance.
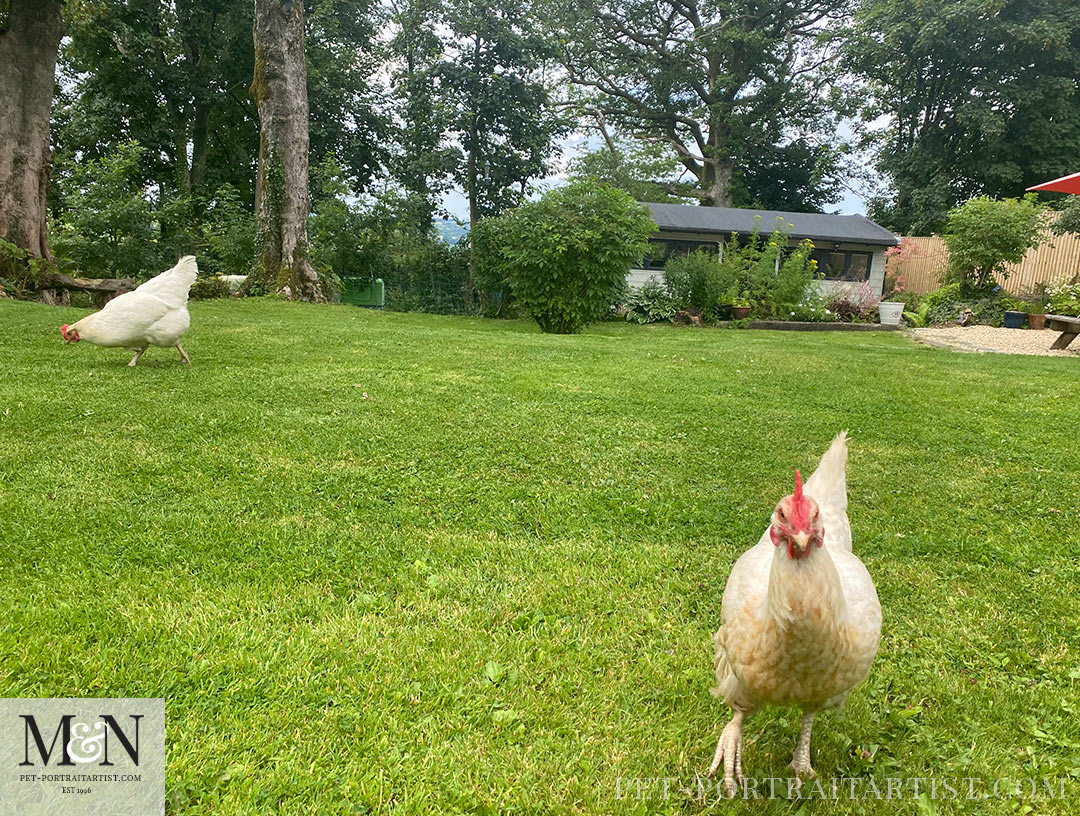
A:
(649, 303)
(567, 254)
(495, 92)
(489, 270)
(1068, 220)
(759, 271)
(978, 99)
(985, 234)
(19, 268)
(645, 170)
(227, 237)
(723, 84)
(207, 287)
(1063, 298)
(700, 281)
(108, 227)
(954, 301)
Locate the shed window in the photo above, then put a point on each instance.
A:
(843, 265)
(663, 250)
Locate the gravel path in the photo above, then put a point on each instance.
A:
(1002, 341)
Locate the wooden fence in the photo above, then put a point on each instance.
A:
(1056, 259)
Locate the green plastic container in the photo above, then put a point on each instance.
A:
(364, 292)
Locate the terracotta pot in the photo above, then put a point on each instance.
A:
(740, 312)
(1037, 321)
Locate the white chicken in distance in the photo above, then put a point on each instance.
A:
(800, 616)
(154, 314)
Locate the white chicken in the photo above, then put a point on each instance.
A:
(800, 616)
(154, 314)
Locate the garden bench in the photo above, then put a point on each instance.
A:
(1068, 326)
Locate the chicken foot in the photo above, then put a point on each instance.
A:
(729, 752)
(138, 354)
(183, 354)
(800, 760)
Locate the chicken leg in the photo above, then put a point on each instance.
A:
(183, 354)
(138, 354)
(729, 752)
(800, 760)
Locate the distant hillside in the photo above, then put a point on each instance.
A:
(450, 231)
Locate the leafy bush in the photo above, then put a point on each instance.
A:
(1069, 220)
(699, 280)
(650, 303)
(761, 272)
(986, 234)
(566, 255)
(489, 271)
(949, 303)
(1063, 298)
(208, 286)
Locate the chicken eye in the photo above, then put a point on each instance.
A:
(782, 515)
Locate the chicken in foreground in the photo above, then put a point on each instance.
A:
(154, 314)
(800, 618)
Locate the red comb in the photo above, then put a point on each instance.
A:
(800, 507)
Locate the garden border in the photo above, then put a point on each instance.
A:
(795, 325)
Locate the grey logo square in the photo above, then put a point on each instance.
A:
(82, 757)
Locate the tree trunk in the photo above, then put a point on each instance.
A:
(279, 88)
(27, 67)
(720, 189)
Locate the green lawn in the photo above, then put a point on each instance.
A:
(396, 563)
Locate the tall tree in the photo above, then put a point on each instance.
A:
(493, 79)
(423, 161)
(282, 201)
(170, 75)
(725, 84)
(977, 98)
(30, 32)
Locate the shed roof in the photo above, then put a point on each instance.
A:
(854, 229)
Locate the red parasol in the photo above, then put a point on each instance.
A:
(1065, 184)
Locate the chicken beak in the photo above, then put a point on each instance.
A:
(801, 542)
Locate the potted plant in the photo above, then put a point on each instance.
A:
(740, 308)
(889, 312)
(1036, 313)
(723, 307)
(1015, 315)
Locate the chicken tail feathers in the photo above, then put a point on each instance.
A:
(173, 285)
(828, 485)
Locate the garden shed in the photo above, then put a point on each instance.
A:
(849, 249)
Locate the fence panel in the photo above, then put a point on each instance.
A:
(1056, 259)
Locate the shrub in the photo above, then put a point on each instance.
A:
(650, 304)
(949, 303)
(567, 254)
(700, 280)
(1069, 220)
(1063, 298)
(489, 269)
(855, 303)
(986, 234)
(208, 286)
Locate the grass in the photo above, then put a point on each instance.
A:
(396, 563)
